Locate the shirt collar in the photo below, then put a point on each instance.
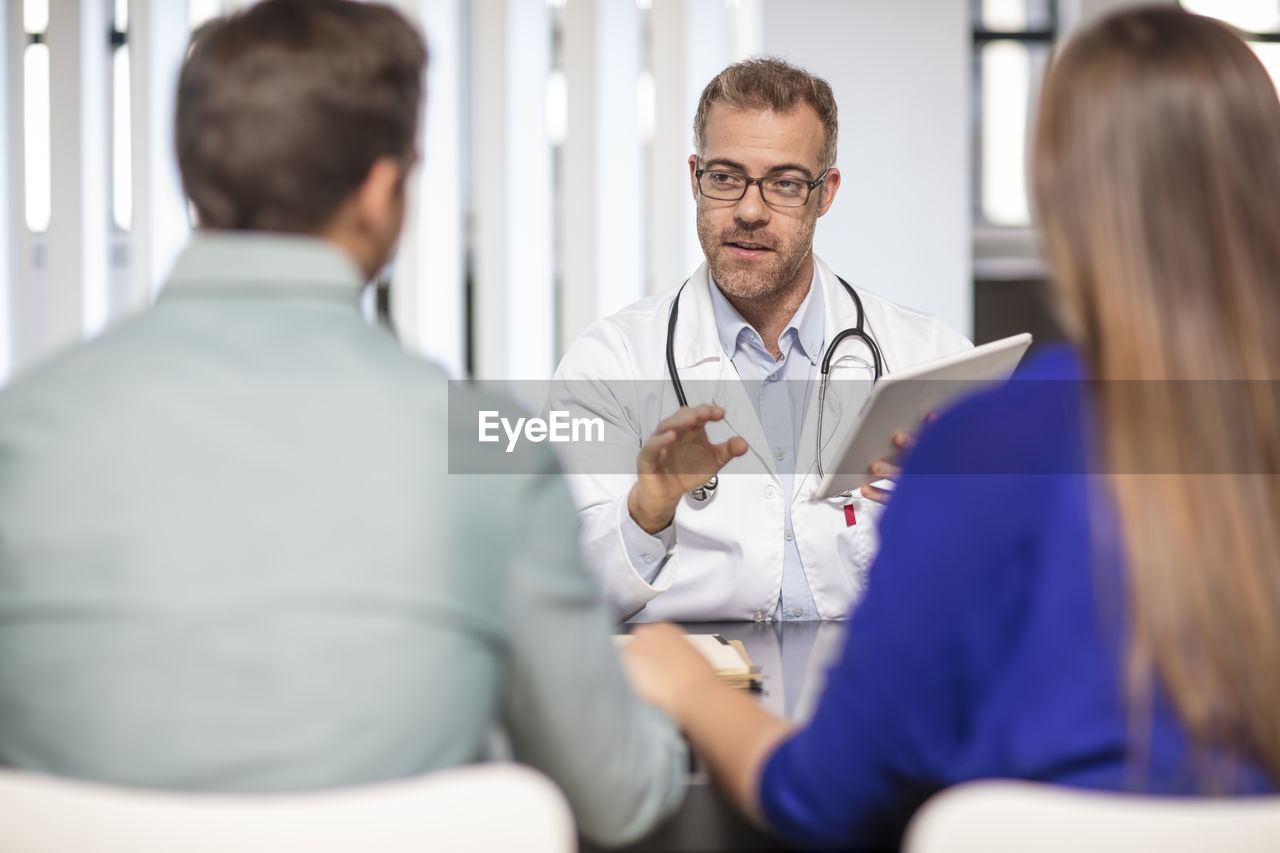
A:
(805, 328)
(249, 263)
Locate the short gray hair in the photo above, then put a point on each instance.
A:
(769, 83)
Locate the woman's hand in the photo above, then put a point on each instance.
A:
(665, 669)
(725, 726)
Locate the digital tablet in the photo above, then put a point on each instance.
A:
(901, 400)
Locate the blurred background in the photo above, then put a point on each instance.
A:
(554, 188)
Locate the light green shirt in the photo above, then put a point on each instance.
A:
(232, 558)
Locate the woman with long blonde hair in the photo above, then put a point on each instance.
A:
(1080, 573)
(1157, 181)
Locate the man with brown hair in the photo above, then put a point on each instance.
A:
(231, 554)
(716, 520)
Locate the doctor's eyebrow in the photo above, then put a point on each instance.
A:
(725, 163)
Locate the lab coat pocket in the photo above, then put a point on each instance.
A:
(857, 540)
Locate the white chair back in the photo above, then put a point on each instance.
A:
(475, 809)
(1017, 817)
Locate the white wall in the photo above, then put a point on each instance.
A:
(900, 71)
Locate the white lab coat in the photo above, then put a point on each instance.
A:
(727, 559)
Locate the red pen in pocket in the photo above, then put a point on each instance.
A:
(849, 519)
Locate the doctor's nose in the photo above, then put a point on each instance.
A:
(751, 209)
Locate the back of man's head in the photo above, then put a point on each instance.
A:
(283, 108)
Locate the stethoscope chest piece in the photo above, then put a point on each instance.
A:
(703, 493)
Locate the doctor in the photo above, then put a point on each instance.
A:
(715, 379)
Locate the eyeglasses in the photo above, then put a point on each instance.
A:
(776, 190)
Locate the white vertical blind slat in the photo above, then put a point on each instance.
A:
(601, 183)
(158, 35)
(514, 319)
(11, 194)
(428, 288)
(530, 287)
(487, 43)
(670, 205)
(688, 46)
(95, 169)
(76, 239)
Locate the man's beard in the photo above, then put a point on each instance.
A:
(758, 279)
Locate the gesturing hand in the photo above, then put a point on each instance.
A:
(676, 458)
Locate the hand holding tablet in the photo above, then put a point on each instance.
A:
(902, 400)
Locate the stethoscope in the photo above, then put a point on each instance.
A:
(707, 489)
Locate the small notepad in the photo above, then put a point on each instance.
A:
(727, 657)
(724, 657)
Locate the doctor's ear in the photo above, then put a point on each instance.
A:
(693, 177)
(829, 188)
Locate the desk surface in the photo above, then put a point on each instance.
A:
(793, 658)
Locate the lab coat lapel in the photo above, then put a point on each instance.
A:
(740, 416)
(702, 362)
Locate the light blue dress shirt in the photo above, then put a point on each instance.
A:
(779, 392)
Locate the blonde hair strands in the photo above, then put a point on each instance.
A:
(1156, 175)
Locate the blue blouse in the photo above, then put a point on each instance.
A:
(990, 641)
